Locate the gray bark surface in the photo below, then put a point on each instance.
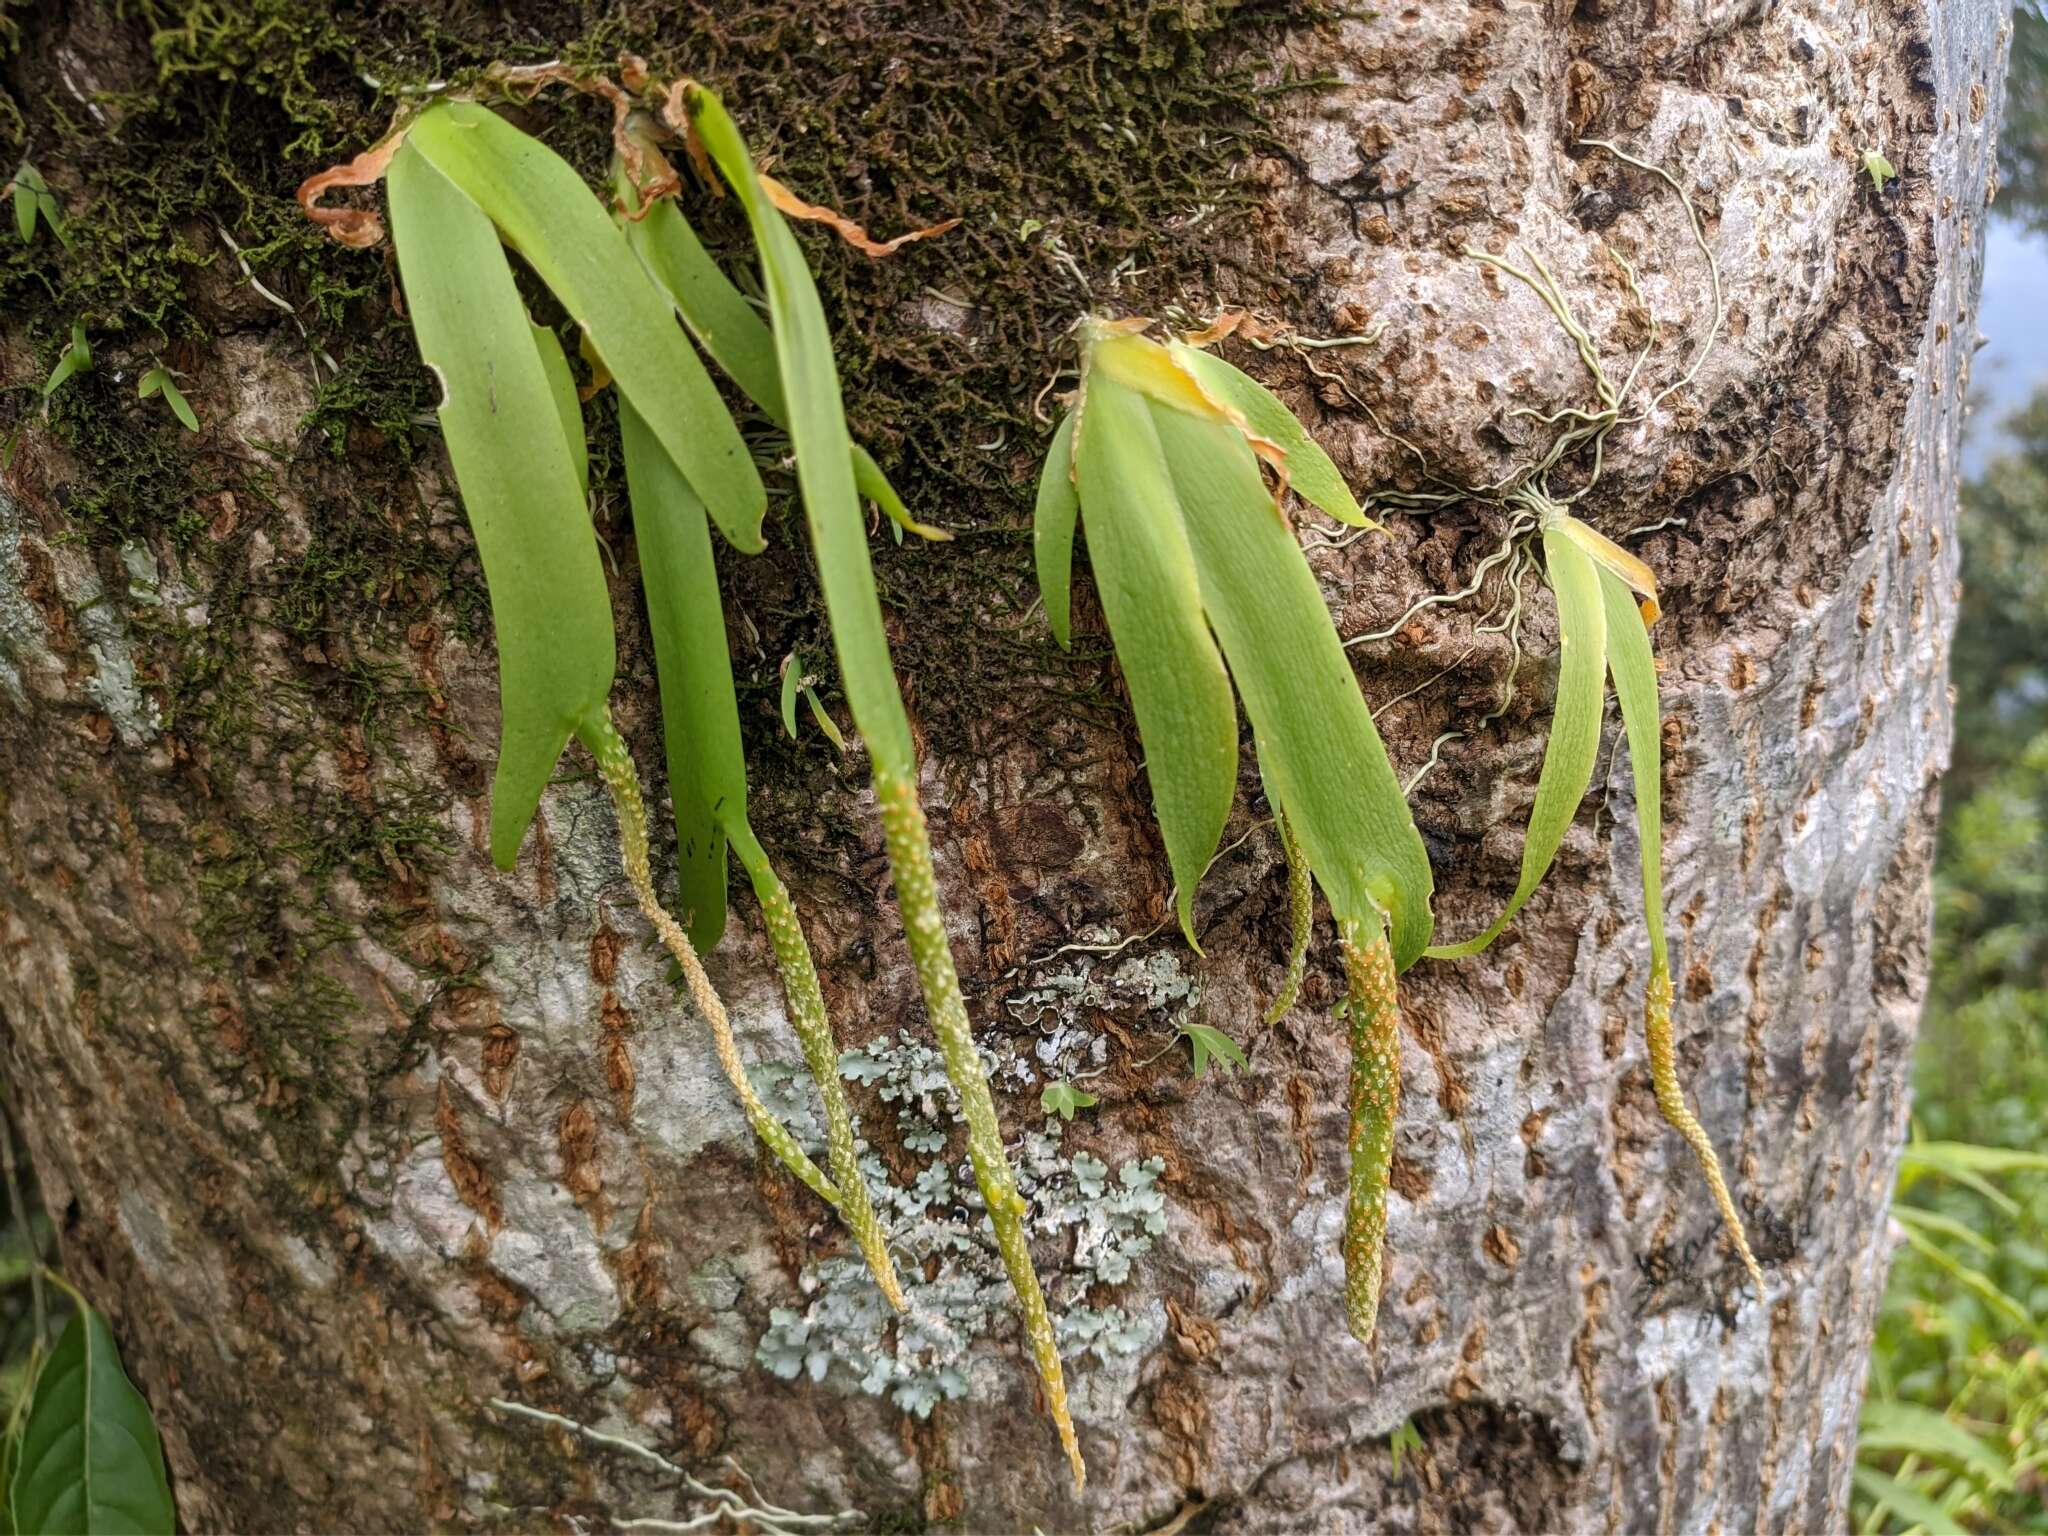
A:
(326, 1258)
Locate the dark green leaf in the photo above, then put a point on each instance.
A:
(544, 211)
(549, 605)
(1574, 743)
(700, 718)
(1318, 749)
(1052, 531)
(90, 1462)
(1145, 575)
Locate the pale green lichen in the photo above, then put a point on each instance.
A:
(1104, 1220)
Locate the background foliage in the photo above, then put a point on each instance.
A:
(1962, 1342)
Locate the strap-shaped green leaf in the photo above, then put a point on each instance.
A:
(505, 436)
(732, 331)
(817, 429)
(1052, 531)
(1635, 686)
(700, 717)
(562, 384)
(544, 211)
(1146, 576)
(89, 1460)
(1318, 749)
(1309, 470)
(1574, 743)
(824, 451)
(728, 328)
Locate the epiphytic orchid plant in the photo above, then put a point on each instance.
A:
(1197, 565)
(464, 184)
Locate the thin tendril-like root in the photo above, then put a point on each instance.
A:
(814, 1029)
(1375, 1016)
(1671, 1100)
(917, 899)
(1301, 912)
(615, 763)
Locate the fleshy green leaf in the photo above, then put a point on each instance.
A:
(1063, 1098)
(1309, 470)
(90, 1461)
(157, 381)
(825, 722)
(1318, 749)
(25, 202)
(1052, 531)
(32, 196)
(562, 385)
(544, 211)
(700, 716)
(1212, 1045)
(792, 680)
(824, 451)
(517, 474)
(1574, 744)
(75, 359)
(733, 333)
(1635, 686)
(1145, 574)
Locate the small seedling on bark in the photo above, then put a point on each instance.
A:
(1878, 168)
(75, 358)
(797, 683)
(33, 200)
(1210, 1046)
(158, 380)
(1063, 1098)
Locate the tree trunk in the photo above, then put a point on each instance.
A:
(353, 1136)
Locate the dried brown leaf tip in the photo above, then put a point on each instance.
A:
(788, 202)
(1223, 326)
(356, 227)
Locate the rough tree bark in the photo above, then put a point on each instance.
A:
(351, 1134)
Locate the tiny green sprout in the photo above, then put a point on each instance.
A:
(1063, 1098)
(1878, 167)
(32, 200)
(158, 380)
(1212, 1045)
(795, 681)
(75, 358)
(1404, 1439)
(1029, 228)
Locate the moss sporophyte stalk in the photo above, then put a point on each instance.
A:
(1182, 466)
